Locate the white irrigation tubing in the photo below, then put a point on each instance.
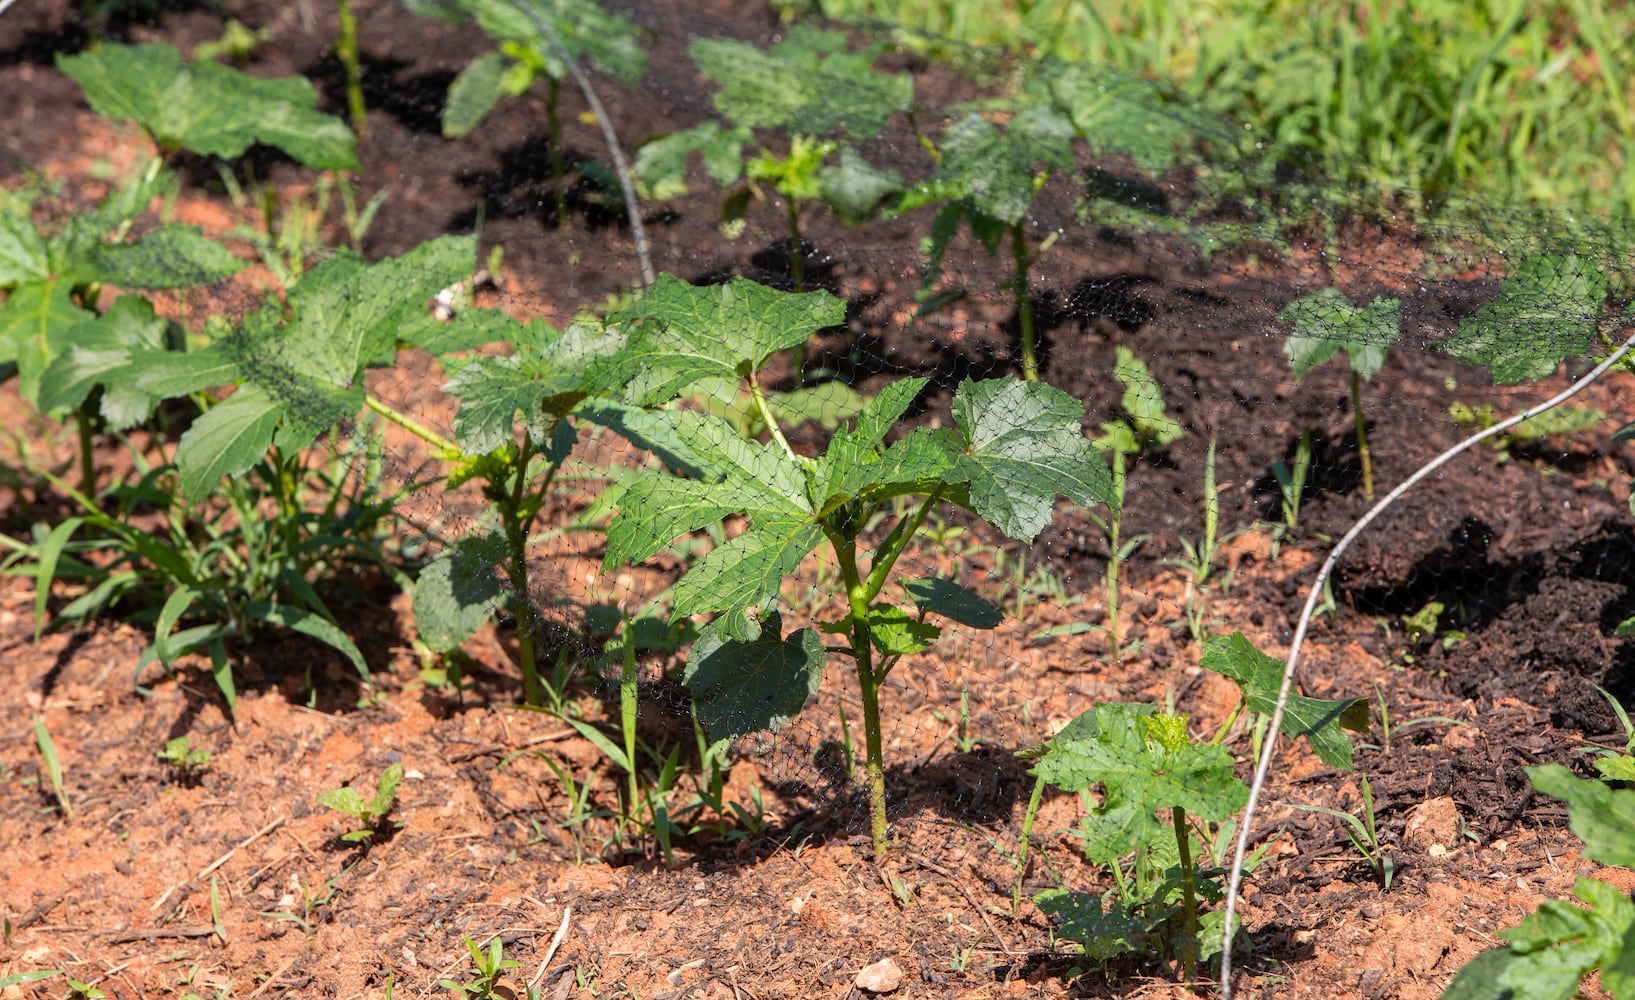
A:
(620, 166)
(5, 5)
(1311, 607)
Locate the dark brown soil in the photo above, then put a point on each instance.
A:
(1530, 552)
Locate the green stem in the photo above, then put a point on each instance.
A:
(87, 458)
(761, 404)
(447, 449)
(1027, 834)
(1115, 520)
(1189, 896)
(797, 274)
(1362, 437)
(858, 597)
(517, 525)
(627, 715)
(1024, 301)
(553, 118)
(347, 49)
(886, 556)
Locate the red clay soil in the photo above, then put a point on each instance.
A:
(236, 883)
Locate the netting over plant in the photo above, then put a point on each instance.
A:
(976, 398)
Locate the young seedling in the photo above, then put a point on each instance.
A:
(53, 767)
(187, 761)
(1291, 487)
(1363, 832)
(1326, 323)
(1150, 771)
(526, 54)
(371, 814)
(1615, 764)
(487, 966)
(1013, 448)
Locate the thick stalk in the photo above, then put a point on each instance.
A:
(627, 716)
(1362, 437)
(87, 458)
(553, 118)
(517, 526)
(1189, 896)
(1024, 301)
(347, 49)
(868, 682)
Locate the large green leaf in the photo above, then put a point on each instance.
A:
(807, 84)
(229, 439)
(172, 256)
(607, 38)
(474, 93)
(1551, 951)
(748, 570)
(949, 599)
(24, 255)
(661, 164)
(543, 381)
(684, 332)
(655, 509)
(997, 171)
(1321, 722)
(1018, 447)
(101, 354)
(1326, 323)
(746, 687)
(1143, 773)
(35, 323)
(1149, 425)
(1119, 112)
(209, 108)
(854, 188)
(1544, 312)
(458, 591)
(1602, 816)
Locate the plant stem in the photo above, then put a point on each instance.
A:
(1024, 301)
(797, 274)
(87, 458)
(1115, 520)
(1027, 833)
(757, 394)
(447, 449)
(553, 118)
(627, 714)
(886, 556)
(868, 682)
(1362, 437)
(510, 507)
(1189, 895)
(346, 48)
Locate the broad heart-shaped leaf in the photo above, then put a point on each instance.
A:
(584, 27)
(458, 591)
(746, 687)
(949, 599)
(101, 354)
(996, 170)
(208, 108)
(684, 332)
(661, 164)
(807, 84)
(1602, 816)
(1544, 312)
(1326, 323)
(1119, 112)
(1101, 925)
(543, 381)
(1260, 676)
(230, 438)
(1139, 772)
(35, 321)
(1018, 446)
(854, 187)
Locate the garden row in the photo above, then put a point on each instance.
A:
(217, 568)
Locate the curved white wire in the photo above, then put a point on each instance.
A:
(1312, 599)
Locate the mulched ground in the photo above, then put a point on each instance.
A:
(1531, 551)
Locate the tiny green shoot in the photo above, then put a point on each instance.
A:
(370, 814)
(53, 767)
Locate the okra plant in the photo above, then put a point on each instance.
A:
(1152, 771)
(816, 93)
(1014, 447)
(608, 39)
(1326, 323)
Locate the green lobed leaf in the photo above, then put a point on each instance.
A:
(1144, 403)
(749, 570)
(892, 631)
(458, 591)
(1101, 926)
(683, 333)
(1601, 816)
(1260, 676)
(655, 509)
(1018, 446)
(210, 108)
(746, 687)
(100, 355)
(997, 170)
(473, 94)
(608, 38)
(854, 188)
(227, 440)
(1543, 313)
(1139, 772)
(24, 255)
(1119, 112)
(661, 164)
(807, 84)
(35, 324)
(1326, 323)
(949, 599)
(172, 256)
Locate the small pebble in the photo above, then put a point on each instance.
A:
(881, 977)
